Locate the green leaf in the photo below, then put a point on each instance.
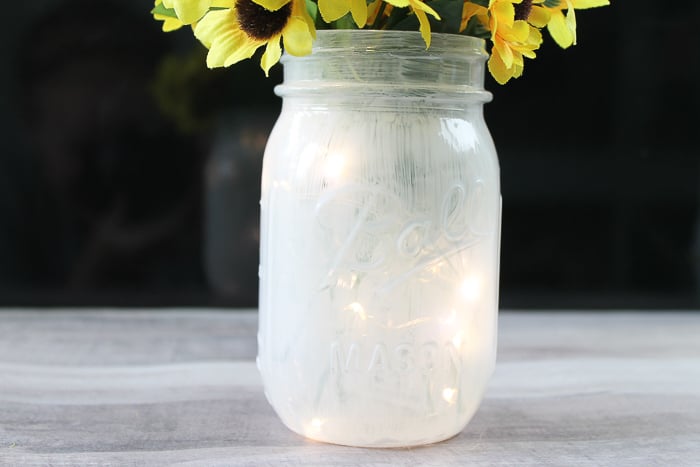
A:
(161, 10)
(312, 9)
(476, 28)
(551, 3)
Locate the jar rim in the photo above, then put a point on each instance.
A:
(346, 62)
(362, 41)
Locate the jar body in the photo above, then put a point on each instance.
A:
(380, 223)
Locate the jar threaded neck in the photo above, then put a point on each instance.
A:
(396, 63)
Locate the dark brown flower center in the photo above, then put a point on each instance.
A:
(523, 9)
(260, 23)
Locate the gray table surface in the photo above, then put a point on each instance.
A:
(179, 387)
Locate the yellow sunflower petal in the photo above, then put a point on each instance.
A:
(504, 52)
(498, 70)
(417, 5)
(215, 24)
(398, 3)
(169, 24)
(520, 31)
(559, 30)
(300, 12)
(518, 60)
(518, 71)
(226, 42)
(504, 13)
(358, 9)
(272, 55)
(571, 23)
(297, 37)
(534, 40)
(491, 2)
(232, 49)
(539, 16)
(272, 5)
(189, 11)
(524, 52)
(424, 26)
(332, 10)
(584, 4)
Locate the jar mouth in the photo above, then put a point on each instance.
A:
(406, 43)
(391, 64)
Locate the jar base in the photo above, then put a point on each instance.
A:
(380, 444)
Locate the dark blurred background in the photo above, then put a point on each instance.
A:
(129, 173)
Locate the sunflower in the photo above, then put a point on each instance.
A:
(563, 28)
(235, 33)
(513, 39)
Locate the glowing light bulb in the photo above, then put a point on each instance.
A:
(435, 268)
(457, 340)
(347, 283)
(449, 395)
(451, 318)
(313, 428)
(358, 309)
(470, 289)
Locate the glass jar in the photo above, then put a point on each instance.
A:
(380, 225)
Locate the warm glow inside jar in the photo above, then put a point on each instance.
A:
(380, 240)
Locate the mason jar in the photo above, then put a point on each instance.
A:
(380, 226)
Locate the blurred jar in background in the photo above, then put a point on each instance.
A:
(232, 210)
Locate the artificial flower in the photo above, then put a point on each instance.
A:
(235, 33)
(421, 10)
(513, 39)
(563, 28)
(332, 10)
(234, 29)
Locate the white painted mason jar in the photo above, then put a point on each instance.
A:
(380, 240)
